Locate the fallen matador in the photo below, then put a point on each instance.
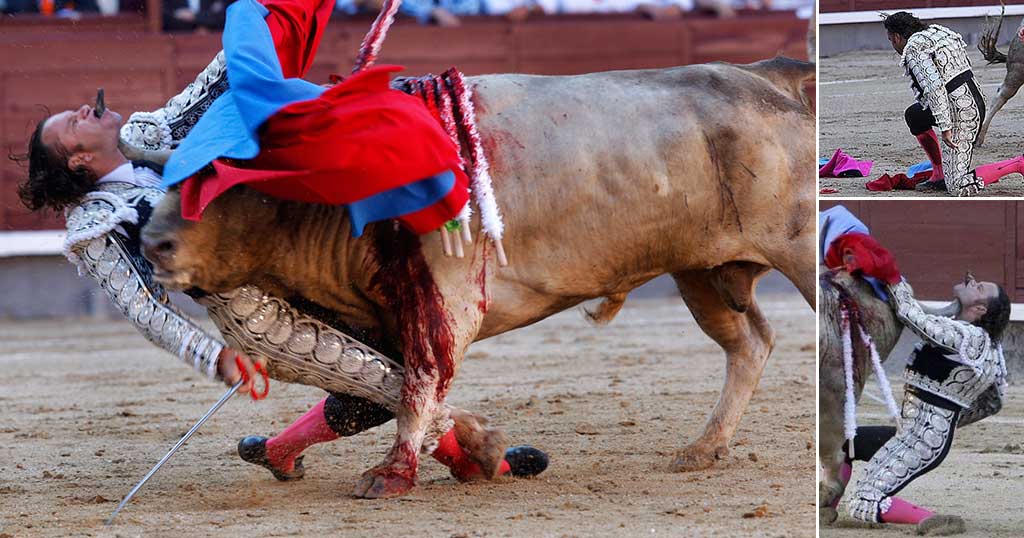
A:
(955, 376)
(76, 164)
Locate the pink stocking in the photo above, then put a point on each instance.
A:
(990, 173)
(906, 513)
(930, 144)
(308, 430)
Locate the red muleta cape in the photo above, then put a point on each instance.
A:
(359, 138)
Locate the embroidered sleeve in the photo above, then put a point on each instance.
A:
(163, 128)
(989, 403)
(969, 341)
(922, 65)
(302, 349)
(145, 304)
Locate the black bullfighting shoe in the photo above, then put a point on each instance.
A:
(526, 461)
(931, 186)
(253, 449)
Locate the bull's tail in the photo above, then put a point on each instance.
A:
(987, 43)
(788, 75)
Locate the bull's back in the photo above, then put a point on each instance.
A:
(631, 174)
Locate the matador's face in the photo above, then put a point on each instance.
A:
(972, 293)
(897, 41)
(82, 134)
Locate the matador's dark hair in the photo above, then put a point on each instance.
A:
(997, 316)
(902, 23)
(51, 183)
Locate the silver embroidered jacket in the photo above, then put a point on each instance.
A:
(103, 241)
(164, 128)
(979, 363)
(302, 349)
(933, 57)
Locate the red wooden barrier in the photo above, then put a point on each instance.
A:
(834, 6)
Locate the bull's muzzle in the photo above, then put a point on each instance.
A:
(159, 250)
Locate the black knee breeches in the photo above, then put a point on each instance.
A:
(919, 119)
(348, 415)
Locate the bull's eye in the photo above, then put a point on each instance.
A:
(165, 246)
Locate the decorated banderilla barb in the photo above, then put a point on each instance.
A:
(450, 101)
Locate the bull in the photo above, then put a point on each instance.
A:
(605, 180)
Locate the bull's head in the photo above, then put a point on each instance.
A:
(219, 253)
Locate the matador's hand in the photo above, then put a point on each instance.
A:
(947, 138)
(228, 369)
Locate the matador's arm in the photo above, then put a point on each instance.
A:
(303, 349)
(926, 73)
(127, 283)
(969, 341)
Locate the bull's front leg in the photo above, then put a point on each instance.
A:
(436, 315)
(420, 408)
(831, 395)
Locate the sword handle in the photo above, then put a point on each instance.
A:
(260, 369)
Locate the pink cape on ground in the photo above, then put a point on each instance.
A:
(841, 164)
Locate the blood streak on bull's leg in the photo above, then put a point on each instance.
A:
(405, 283)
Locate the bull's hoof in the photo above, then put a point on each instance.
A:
(827, 515)
(253, 449)
(485, 446)
(380, 483)
(697, 458)
(829, 493)
(941, 525)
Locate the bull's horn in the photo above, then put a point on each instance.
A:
(950, 310)
(133, 153)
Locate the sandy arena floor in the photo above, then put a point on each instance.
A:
(89, 406)
(981, 480)
(862, 98)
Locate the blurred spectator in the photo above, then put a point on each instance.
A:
(441, 12)
(803, 8)
(194, 15)
(519, 10)
(60, 8)
(727, 8)
(446, 12)
(655, 9)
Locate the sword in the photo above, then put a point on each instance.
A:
(216, 406)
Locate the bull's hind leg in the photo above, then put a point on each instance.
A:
(722, 301)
